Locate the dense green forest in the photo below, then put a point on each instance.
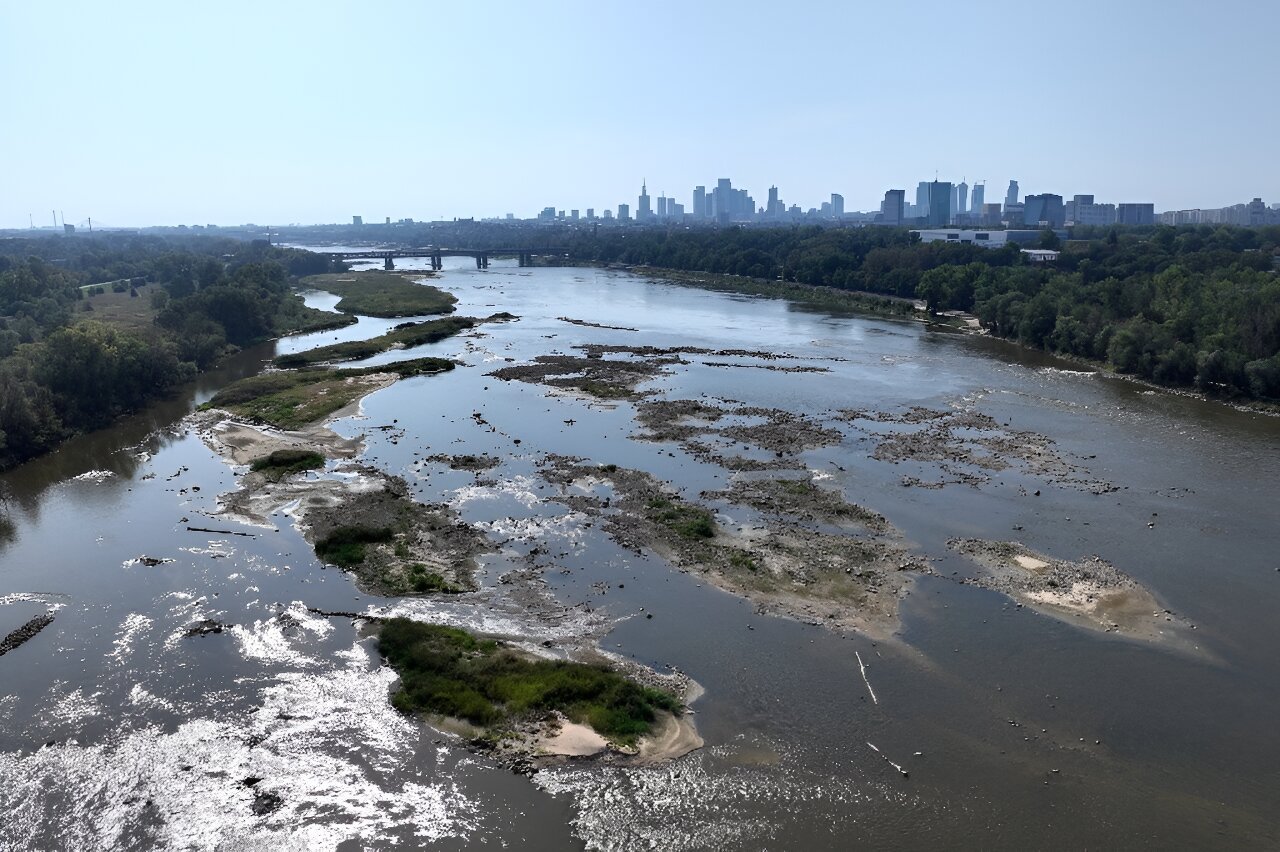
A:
(94, 327)
(1194, 307)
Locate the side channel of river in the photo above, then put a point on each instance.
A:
(1017, 730)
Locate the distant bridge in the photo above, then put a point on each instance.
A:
(438, 255)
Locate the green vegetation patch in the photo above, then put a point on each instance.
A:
(742, 560)
(393, 544)
(292, 399)
(282, 463)
(691, 522)
(404, 336)
(423, 580)
(382, 294)
(598, 389)
(448, 671)
(345, 546)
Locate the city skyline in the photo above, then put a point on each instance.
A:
(952, 207)
(397, 110)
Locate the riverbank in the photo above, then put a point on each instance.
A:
(812, 296)
(832, 299)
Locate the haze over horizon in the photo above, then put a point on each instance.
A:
(292, 113)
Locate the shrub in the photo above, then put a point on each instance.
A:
(281, 463)
(345, 546)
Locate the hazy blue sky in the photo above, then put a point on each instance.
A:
(274, 112)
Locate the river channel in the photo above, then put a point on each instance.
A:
(1015, 729)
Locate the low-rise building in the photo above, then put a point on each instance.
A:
(990, 239)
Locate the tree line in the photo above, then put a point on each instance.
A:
(62, 372)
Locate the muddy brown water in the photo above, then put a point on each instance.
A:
(1017, 730)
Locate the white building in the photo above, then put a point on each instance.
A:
(989, 239)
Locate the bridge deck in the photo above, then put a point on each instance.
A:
(442, 252)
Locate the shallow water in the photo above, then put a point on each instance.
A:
(118, 730)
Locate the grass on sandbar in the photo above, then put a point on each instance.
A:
(405, 336)
(382, 294)
(687, 521)
(281, 463)
(448, 671)
(292, 399)
(345, 546)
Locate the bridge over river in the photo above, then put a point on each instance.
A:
(437, 255)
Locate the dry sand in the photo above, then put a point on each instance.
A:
(1089, 592)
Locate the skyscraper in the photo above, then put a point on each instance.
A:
(979, 197)
(892, 206)
(643, 211)
(962, 198)
(775, 208)
(1011, 197)
(922, 197)
(722, 201)
(699, 202)
(837, 205)
(624, 213)
(939, 203)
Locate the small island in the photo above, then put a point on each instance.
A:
(529, 708)
(376, 293)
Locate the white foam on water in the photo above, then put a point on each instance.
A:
(93, 476)
(74, 706)
(265, 641)
(683, 806)
(215, 550)
(182, 615)
(1061, 372)
(335, 763)
(140, 697)
(572, 624)
(318, 625)
(519, 488)
(32, 597)
(567, 527)
(130, 629)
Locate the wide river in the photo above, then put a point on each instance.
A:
(1019, 731)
